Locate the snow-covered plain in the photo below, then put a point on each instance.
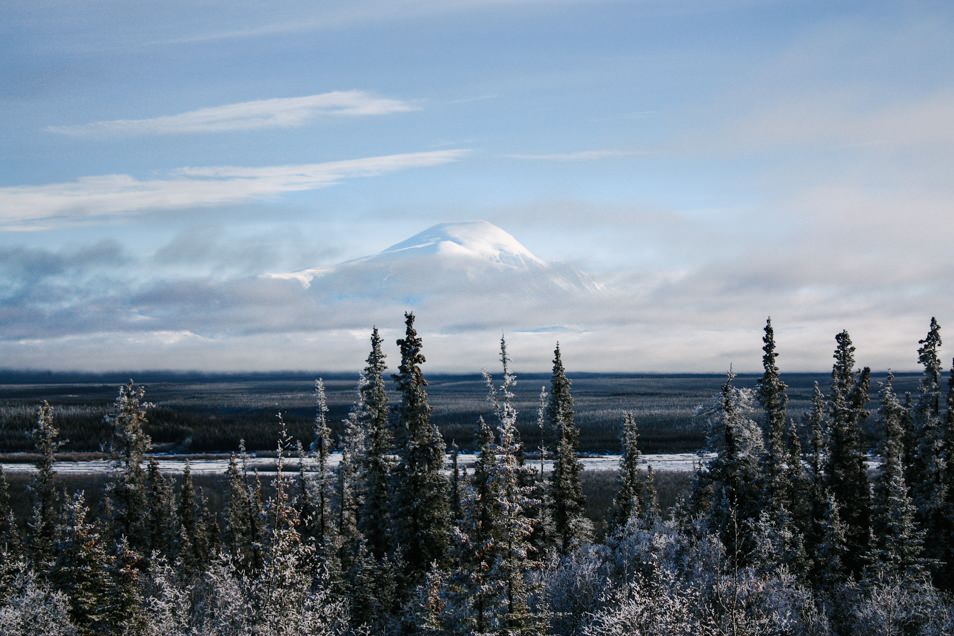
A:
(679, 462)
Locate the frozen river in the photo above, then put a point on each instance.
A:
(211, 464)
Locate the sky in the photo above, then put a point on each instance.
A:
(709, 163)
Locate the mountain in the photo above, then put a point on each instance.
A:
(474, 257)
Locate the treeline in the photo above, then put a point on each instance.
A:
(775, 537)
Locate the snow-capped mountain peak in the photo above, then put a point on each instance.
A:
(477, 240)
(472, 257)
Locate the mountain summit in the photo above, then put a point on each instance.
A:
(473, 257)
(477, 240)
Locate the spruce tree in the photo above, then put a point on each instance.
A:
(10, 543)
(947, 578)
(818, 494)
(627, 504)
(322, 446)
(772, 396)
(455, 484)
(649, 502)
(847, 473)
(375, 522)
(352, 446)
(193, 539)
(81, 570)
(163, 517)
(481, 527)
(927, 468)
(238, 525)
(897, 541)
(423, 513)
(127, 489)
(572, 527)
(512, 526)
(832, 549)
(43, 489)
(733, 489)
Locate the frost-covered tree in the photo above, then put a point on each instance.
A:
(422, 507)
(238, 534)
(572, 527)
(322, 525)
(897, 542)
(513, 557)
(31, 608)
(831, 551)
(349, 493)
(927, 461)
(818, 492)
(161, 510)
(127, 489)
(43, 489)
(774, 400)
(377, 465)
(732, 476)
(81, 569)
(11, 548)
(193, 535)
(629, 496)
(847, 472)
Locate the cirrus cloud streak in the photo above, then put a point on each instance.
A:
(21, 206)
(281, 112)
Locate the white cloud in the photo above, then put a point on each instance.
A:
(194, 187)
(579, 155)
(282, 112)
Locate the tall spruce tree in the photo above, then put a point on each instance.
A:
(629, 498)
(897, 542)
(130, 443)
(353, 451)
(161, 510)
(513, 556)
(572, 527)
(375, 519)
(322, 524)
(423, 510)
(947, 578)
(927, 467)
(773, 398)
(43, 489)
(193, 536)
(818, 494)
(847, 472)
(81, 570)
(732, 475)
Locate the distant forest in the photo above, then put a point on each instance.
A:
(791, 527)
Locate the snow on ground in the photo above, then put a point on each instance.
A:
(678, 462)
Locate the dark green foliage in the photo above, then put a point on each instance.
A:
(127, 491)
(847, 474)
(81, 570)
(10, 543)
(423, 512)
(897, 543)
(374, 521)
(43, 490)
(566, 488)
(163, 518)
(630, 496)
(772, 396)
(926, 472)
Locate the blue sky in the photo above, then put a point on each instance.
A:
(710, 162)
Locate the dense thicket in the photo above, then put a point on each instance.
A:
(792, 526)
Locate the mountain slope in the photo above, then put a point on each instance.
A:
(473, 257)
